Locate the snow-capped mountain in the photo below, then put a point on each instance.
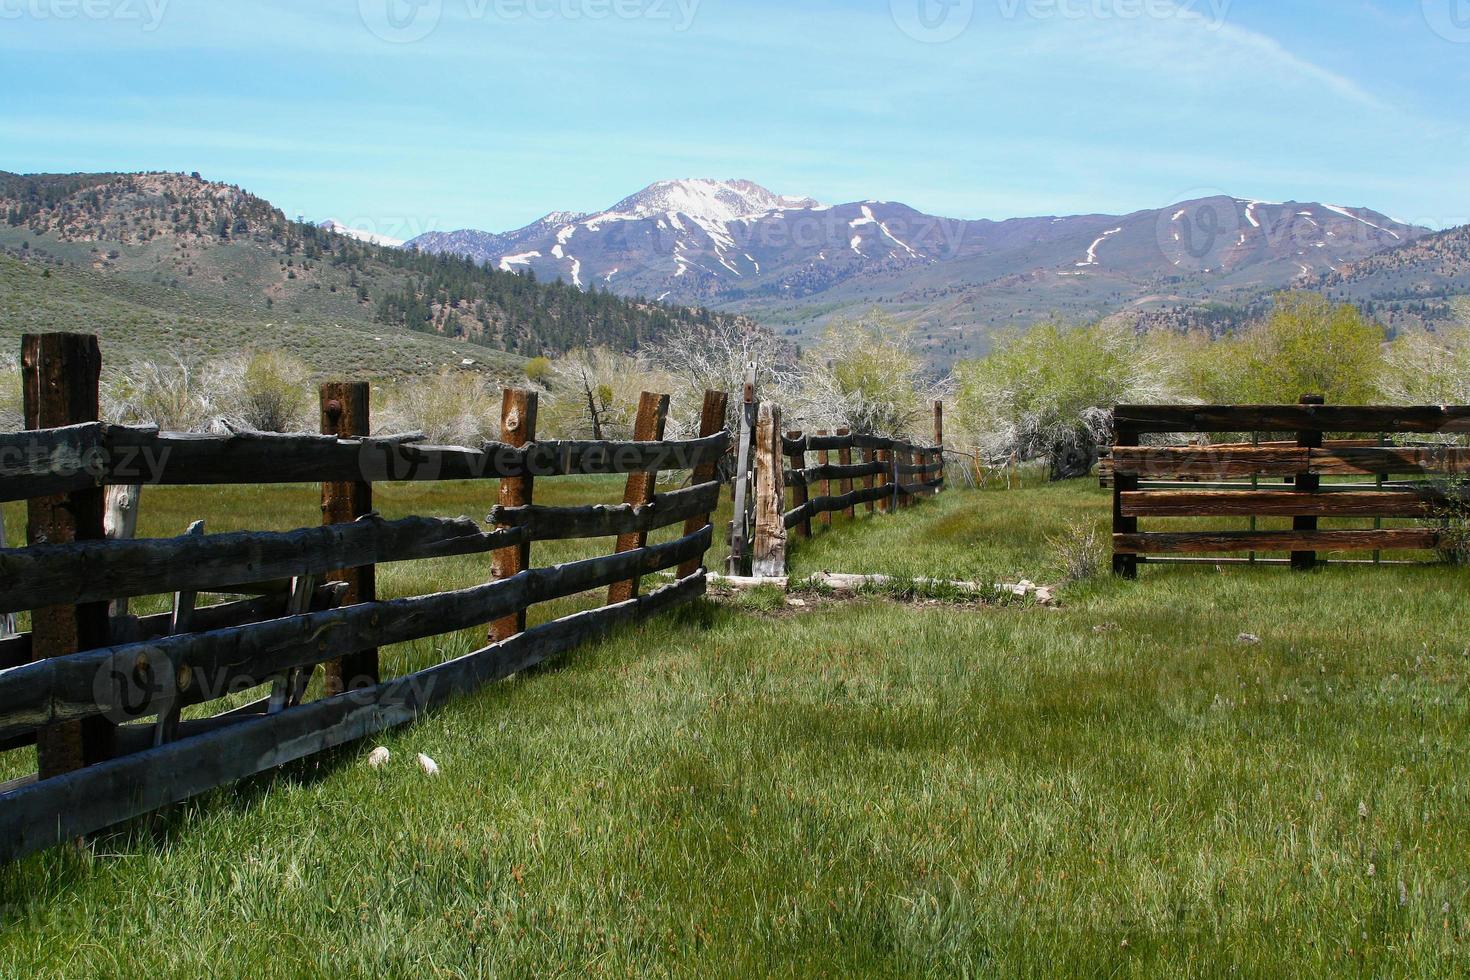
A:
(736, 245)
(371, 237)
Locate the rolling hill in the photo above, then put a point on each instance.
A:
(203, 261)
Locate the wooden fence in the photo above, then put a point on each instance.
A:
(893, 473)
(1282, 479)
(101, 693)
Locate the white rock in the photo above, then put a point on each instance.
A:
(1249, 639)
(379, 757)
(428, 765)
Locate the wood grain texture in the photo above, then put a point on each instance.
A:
(1207, 542)
(1292, 418)
(711, 422)
(648, 426)
(769, 553)
(1283, 503)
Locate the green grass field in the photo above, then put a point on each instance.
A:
(850, 787)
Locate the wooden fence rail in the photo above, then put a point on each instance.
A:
(1226, 480)
(101, 693)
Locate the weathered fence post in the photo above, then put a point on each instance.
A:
(711, 422)
(844, 458)
(885, 479)
(7, 621)
(1305, 561)
(870, 480)
(770, 495)
(1125, 565)
(800, 493)
(346, 414)
(740, 518)
(824, 457)
(653, 414)
(938, 444)
(517, 428)
(60, 375)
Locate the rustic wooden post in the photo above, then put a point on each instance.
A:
(1123, 564)
(824, 458)
(870, 481)
(740, 518)
(799, 491)
(770, 495)
(653, 413)
(844, 458)
(1305, 561)
(60, 376)
(517, 428)
(885, 479)
(711, 422)
(938, 444)
(346, 414)
(7, 621)
(904, 457)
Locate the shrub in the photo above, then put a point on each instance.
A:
(1080, 550)
(170, 394)
(453, 408)
(538, 370)
(268, 392)
(1049, 392)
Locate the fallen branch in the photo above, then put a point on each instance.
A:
(840, 582)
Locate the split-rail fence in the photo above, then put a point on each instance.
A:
(102, 694)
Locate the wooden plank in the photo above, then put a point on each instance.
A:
(602, 520)
(939, 440)
(94, 571)
(518, 408)
(833, 471)
(711, 421)
(39, 463)
(870, 478)
(1222, 464)
(45, 813)
(1204, 542)
(769, 554)
(1292, 418)
(1283, 503)
(817, 505)
(133, 680)
(1307, 483)
(16, 650)
(844, 463)
(740, 531)
(648, 426)
(885, 480)
(346, 414)
(60, 375)
(7, 619)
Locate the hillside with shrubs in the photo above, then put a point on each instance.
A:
(222, 245)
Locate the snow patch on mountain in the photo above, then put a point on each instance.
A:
(371, 237)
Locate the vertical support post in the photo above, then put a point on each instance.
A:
(1125, 565)
(740, 519)
(901, 458)
(60, 375)
(7, 620)
(653, 413)
(770, 495)
(938, 444)
(517, 428)
(346, 414)
(844, 458)
(799, 492)
(824, 458)
(870, 481)
(1305, 561)
(885, 479)
(711, 422)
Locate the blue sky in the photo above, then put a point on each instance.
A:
(409, 115)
